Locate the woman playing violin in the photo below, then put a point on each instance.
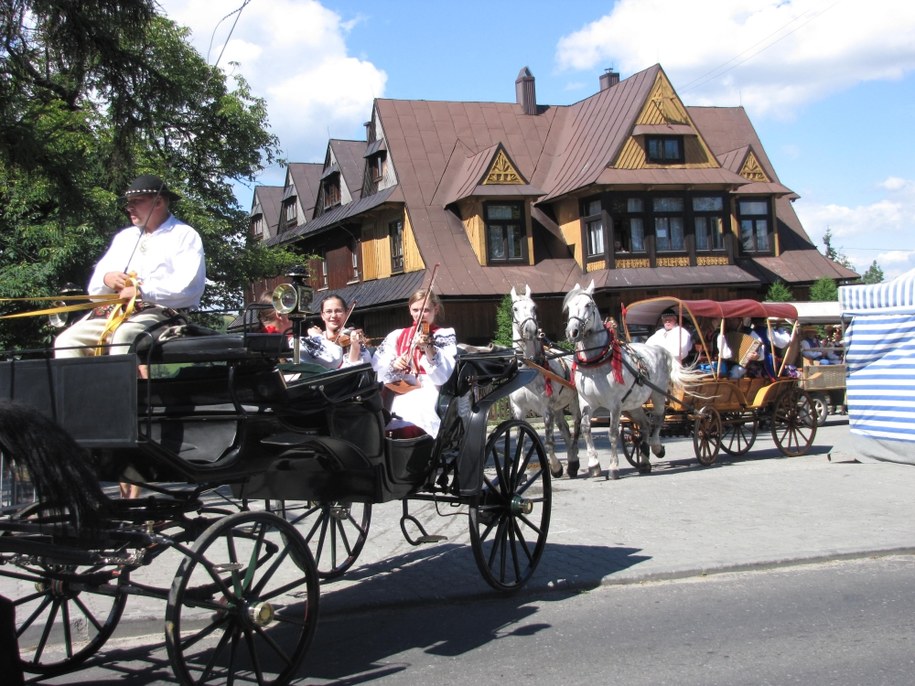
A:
(414, 362)
(351, 342)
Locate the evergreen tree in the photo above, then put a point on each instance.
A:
(824, 289)
(779, 292)
(874, 274)
(832, 253)
(503, 333)
(92, 94)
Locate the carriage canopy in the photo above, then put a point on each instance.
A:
(647, 312)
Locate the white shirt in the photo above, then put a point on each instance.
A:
(677, 341)
(168, 262)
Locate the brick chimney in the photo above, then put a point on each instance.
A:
(524, 91)
(608, 79)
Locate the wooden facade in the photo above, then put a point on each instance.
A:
(630, 188)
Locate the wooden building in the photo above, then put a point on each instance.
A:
(628, 187)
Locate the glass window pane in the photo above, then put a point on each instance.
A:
(592, 207)
(708, 204)
(496, 244)
(636, 235)
(754, 207)
(634, 205)
(668, 204)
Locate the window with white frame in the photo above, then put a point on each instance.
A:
(668, 224)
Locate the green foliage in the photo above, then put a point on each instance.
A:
(503, 333)
(779, 292)
(824, 289)
(874, 274)
(93, 94)
(832, 253)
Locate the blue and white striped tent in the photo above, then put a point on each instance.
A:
(880, 354)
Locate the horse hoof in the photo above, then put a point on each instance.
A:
(645, 468)
(661, 452)
(594, 471)
(572, 468)
(557, 474)
(614, 474)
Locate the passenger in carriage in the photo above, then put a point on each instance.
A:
(413, 363)
(716, 351)
(318, 347)
(157, 263)
(766, 363)
(351, 342)
(671, 336)
(812, 348)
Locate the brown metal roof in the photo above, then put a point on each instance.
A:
(350, 157)
(267, 201)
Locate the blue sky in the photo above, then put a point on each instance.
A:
(828, 84)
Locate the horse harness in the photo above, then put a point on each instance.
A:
(611, 352)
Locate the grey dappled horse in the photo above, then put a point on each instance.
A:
(611, 374)
(545, 397)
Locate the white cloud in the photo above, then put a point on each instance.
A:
(294, 54)
(759, 46)
(883, 229)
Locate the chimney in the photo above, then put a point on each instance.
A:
(524, 91)
(608, 79)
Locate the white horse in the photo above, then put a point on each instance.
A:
(619, 377)
(550, 393)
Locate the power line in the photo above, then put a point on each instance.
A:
(237, 14)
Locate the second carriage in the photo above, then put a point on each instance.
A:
(722, 413)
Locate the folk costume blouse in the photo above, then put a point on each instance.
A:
(418, 407)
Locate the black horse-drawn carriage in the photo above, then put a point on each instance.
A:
(225, 412)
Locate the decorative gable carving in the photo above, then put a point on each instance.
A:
(752, 170)
(663, 105)
(502, 171)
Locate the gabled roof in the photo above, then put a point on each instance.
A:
(267, 201)
(593, 132)
(350, 160)
(305, 180)
(468, 180)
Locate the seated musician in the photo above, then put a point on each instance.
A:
(766, 363)
(316, 347)
(351, 342)
(413, 363)
(157, 264)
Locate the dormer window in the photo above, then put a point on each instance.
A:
(331, 188)
(376, 165)
(258, 225)
(506, 238)
(290, 213)
(664, 149)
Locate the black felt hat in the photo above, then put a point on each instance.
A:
(669, 312)
(149, 184)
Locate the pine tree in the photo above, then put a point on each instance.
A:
(503, 333)
(874, 274)
(779, 292)
(824, 289)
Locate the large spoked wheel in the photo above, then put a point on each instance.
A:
(510, 518)
(738, 433)
(707, 435)
(794, 422)
(335, 532)
(631, 439)
(68, 614)
(243, 606)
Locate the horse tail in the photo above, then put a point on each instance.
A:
(57, 466)
(685, 377)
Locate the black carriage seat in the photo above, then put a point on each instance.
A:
(478, 366)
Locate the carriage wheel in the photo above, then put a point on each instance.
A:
(631, 439)
(707, 435)
(794, 422)
(738, 433)
(335, 532)
(68, 615)
(243, 606)
(510, 518)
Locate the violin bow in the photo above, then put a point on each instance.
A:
(417, 325)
